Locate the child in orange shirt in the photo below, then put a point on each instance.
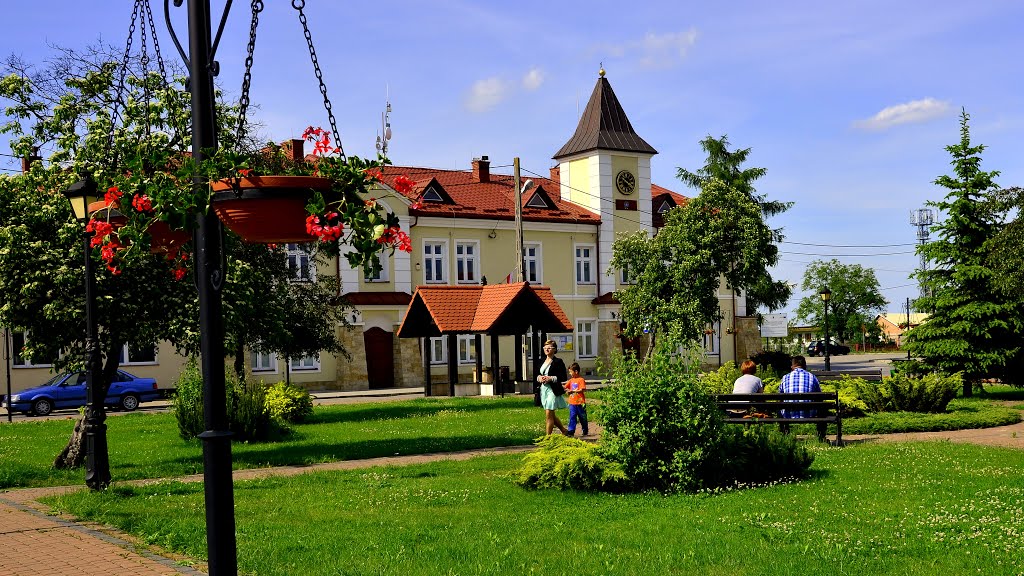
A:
(574, 391)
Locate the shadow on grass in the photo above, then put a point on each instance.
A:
(332, 414)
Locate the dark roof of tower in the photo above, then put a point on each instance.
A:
(604, 126)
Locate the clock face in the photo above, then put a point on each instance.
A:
(625, 181)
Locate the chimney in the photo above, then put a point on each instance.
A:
(482, 169)
(26, 161)
(297, 153)
(556, 172)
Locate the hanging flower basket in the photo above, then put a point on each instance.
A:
(267, 209)
(163, 239)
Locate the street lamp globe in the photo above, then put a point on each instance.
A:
(825, 294)
(81, 194)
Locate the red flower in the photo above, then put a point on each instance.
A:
(373, 175)
(371, 203)
(395, 237)
(179, 273)
(327, 228)
(403, 185)
(244, 172)
(112, 196)
(100, 229)
(417, 205)
(142, 203)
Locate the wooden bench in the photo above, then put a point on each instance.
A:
(871, 375)
(741, 409)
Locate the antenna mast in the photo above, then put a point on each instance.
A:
(922, 218)
(385, 127)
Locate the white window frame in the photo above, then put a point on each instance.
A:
(127, 359)
(431, 195)
(300, 253)
(257, 365)
(624, 277)
(438, 350)
(16, 353)
(537, 276)
(467, 348)
(586, 337)
(383, 275)
(537, 201)
(465, 261)
(305, 364)
(712, 340)
(441, 255)
(585, 264)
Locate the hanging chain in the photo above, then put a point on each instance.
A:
(243, 102)
(120, 85)
(172, 104)
(144, 60)
(299, 5)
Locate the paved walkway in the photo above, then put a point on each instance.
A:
(34, 543)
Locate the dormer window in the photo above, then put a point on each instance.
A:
(537, 201)
(432, 195)
(665, 207)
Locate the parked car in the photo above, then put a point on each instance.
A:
(68, 391)
(817, 348)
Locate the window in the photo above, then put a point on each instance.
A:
(585, 335)
(18, 358)
(431, 195)
(625, 277)
(466, 262)
(467, 349)
(532, 271)
(433, 262)
(537, 201)
(712, 341)
(584, 264)
(665, 207)
(263, 362)
(306, 363)
(300, 263)
(382, 274)
(439, 350)
(131, 354)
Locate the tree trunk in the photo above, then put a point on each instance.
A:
(73, 455)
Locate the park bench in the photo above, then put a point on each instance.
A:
(871, 374)
(750, 409)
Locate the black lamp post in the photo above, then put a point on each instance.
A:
(826, 295)
(97, 464)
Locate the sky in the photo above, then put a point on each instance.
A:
(848, 105)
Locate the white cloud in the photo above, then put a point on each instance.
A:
(486, 94)
(666, 50)
(908, 113)
(533, 79)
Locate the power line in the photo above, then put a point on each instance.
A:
(847, 255)
(849, 245)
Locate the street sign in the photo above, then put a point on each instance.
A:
(774, 326)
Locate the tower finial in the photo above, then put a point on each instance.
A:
(601, 71)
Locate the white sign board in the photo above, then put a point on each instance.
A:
(774, 326)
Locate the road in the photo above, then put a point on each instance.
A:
(881, 360)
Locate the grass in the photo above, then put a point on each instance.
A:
(899, 509)
(148, 445)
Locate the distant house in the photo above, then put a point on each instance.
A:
(894, 324)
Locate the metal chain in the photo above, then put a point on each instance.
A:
(120, 83)
(144, 60)
(243, 102)
(172, 105)
(299, 5)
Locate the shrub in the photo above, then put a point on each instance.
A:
(247, 413)
(761, 454)
(779, 362)
(660, 425)
(188, 401)
(721, 381)
(569, 464)
(929, 393)
(289, 403)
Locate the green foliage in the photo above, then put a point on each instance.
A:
(188, 401)
(902, 392)
(780, 362)
(248, 416)
(564, 463)
(856, 297)
(761, 454)
(974, 327)
(660, 425)
(720, 233)
(721, 381)
(289, 403)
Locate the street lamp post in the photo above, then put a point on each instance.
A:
(97, 464)
(826, 295)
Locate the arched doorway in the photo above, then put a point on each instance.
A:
(380, 357)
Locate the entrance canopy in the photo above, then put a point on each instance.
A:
(497, 309)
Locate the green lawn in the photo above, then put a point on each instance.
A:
(868, 509)
(148, 445)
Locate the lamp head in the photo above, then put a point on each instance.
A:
(527, 185)
(825, 294)
(80, 195)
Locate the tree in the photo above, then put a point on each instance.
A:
(68, 108)
(718, 235)
(726, 166)
(972, 327)
(856, 298)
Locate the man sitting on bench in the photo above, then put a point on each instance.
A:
(799, 381)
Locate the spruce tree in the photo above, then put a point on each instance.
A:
(970, 328)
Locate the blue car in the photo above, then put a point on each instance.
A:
(68, 391)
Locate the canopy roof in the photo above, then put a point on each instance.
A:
(501, 309)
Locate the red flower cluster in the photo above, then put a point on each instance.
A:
(100, 230)
(244, 172)
(416, 205)
(403, 185)
(327, 228)
(394, 236)
(112, 197)
(142, 203)
(373, 175)
(179, 257)
(109, 255)
(321, 140)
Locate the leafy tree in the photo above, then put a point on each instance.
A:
(718, 235)
(67, 108)
(856, 297)
(726, 165)
(972, 327)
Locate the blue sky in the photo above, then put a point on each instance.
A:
(848, 105)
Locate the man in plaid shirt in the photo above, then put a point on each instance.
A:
(798, 381)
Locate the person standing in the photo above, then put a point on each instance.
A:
(552, 371)
(574, 389)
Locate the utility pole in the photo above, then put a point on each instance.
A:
(922, 218)
(519, 219)
(908, 325)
